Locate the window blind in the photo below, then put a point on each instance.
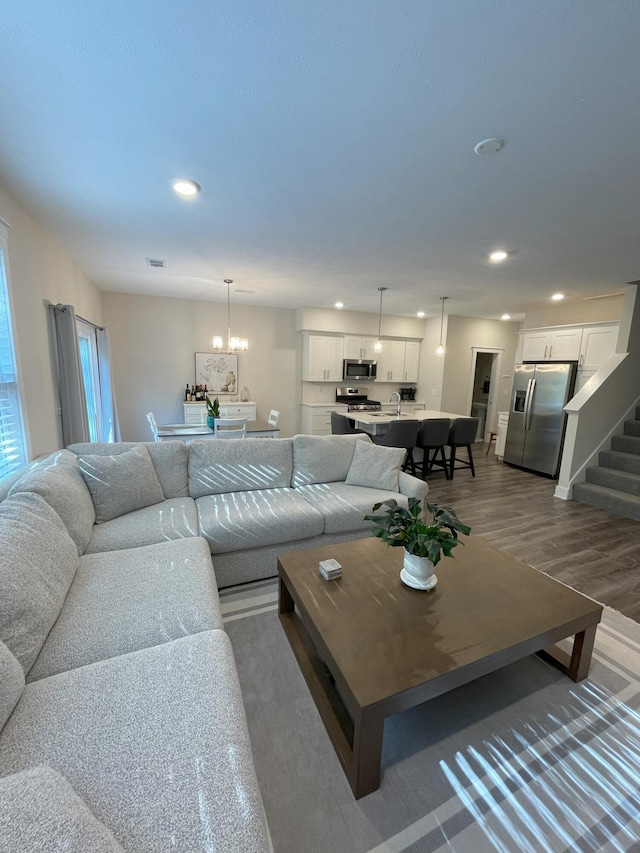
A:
(12, 446)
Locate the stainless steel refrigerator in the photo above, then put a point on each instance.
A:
(536, 419)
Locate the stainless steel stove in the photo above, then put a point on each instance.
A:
(357, 400)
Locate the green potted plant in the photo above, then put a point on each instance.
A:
(425, 541)
(213, 411)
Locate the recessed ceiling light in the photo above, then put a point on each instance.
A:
(506, 317)
(558, 296)
(498, 256)
(339, 305)
(185, 187)
(420, 314)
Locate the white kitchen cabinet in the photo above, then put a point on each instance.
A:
(411, 361)
(316, 420)
(556, 344)
(589, 345)
(399, 361)
(196, 413)
(358, 347)
(598, 343)
(501, 438)
(322, 358)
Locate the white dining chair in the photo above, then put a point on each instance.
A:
(230, 427)
(154, 426)
(273, 418)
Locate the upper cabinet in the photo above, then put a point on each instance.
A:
(357, 347)
(322, 358)
(598, 343)
(556, 344)
(589, 345)
(398, 361)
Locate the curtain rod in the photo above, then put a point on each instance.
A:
(60, 307)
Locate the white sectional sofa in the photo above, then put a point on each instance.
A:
(121, 720)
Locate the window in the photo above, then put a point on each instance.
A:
(12, 438)
(88, 347)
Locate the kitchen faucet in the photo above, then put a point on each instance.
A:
(399, 401)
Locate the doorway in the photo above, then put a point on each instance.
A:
(486, 365)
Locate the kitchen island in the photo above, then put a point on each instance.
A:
(377, 423)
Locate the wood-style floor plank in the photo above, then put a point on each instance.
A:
(584, 547)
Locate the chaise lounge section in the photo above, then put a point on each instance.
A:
(122, 725)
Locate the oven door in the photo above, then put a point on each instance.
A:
(358, 368)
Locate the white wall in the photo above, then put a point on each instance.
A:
(357, 323)
(576, 311)
(40, 270)
(154, 339)
(464, 333)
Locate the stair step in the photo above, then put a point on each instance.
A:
(621, 481)
(608, 499)
(632, 427)
(619, 461)
(626, 443)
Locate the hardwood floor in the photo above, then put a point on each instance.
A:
(584, 547)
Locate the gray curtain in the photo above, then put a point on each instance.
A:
(109, 421)
(75, 425)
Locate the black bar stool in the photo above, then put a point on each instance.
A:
(462, 433)
(432, 436)
(341, 425)
(401, 434)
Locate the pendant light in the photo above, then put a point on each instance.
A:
(234, 344)
(378, 344)
(440, 348)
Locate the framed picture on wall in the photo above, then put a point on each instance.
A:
(218, 371)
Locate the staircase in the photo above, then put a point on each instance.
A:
(614, 484)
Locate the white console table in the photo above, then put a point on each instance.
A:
(196, 413)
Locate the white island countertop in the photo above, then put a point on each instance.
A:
(373, 422)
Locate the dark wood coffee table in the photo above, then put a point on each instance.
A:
(369, 646)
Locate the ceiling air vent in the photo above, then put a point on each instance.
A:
(156, 263)
(243, 290)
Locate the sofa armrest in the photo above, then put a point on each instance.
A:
(412, 486)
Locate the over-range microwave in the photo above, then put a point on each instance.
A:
(359, 368)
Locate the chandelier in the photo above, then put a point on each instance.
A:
(234, 344)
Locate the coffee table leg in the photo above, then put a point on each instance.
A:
(285, 601)
(581, 654)
(576, 665)
(367, 752)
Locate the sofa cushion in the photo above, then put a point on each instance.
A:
(343, 507)
(241, 520)
(323, 458)
(376, 467)
(170, 459)
(176, 518)
(58, 480)
(123, 601)
(40, 811)
(11, 683)
(121, 482)
(38, 560)
(155, 742)
(234, 465)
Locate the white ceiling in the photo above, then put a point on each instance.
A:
(334, 142)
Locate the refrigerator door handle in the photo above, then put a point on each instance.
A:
(525, 409)
(529, 416)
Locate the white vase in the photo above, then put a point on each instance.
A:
(418, 572)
